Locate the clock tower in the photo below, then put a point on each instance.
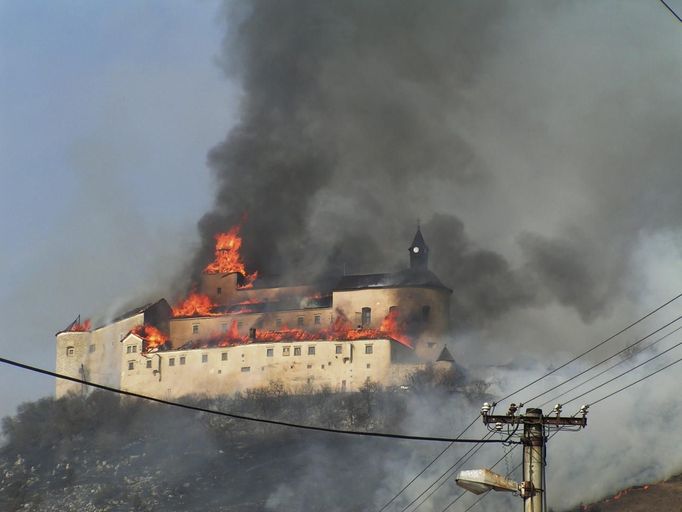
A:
(419, 252)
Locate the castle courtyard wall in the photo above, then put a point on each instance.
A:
(216, 371)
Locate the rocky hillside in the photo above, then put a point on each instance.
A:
(100, 453)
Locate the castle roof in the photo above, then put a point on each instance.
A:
(418, 239)
(410, 277)
(445, 355)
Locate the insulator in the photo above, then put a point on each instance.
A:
(485, 409)
(557, 409)
(583, 409)
(498, 426)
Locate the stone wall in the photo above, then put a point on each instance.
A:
(339, 365)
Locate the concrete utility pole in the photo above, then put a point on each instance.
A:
(535, 426)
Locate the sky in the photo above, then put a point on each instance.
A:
(107, 112)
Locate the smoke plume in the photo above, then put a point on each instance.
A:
(536, 145)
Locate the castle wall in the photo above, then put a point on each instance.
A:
(426, 328)
(93, 356)
(216, 371)
(183, 330)
(223, 290)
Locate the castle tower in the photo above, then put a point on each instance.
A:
(419, 252)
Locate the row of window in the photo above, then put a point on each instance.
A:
(300, 322)
(244, 369)
(270, 352)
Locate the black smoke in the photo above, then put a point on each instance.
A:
(529, 153)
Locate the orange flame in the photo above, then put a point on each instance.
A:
(153, 338)
(196, 304)
(80, 326)
(228, 258)
(340, 330)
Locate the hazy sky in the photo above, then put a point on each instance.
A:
(107, 111)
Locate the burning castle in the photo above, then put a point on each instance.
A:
(235, 332)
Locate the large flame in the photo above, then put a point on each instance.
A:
(341, 329)
(196, 304)
(153, 338)
(228, 258)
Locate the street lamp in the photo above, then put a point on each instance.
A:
(480, 481)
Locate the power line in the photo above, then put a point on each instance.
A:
(506, 454)
(641, 319)
(606, 370)
(426, 467)
(604, 360)
(564, 365)
(462, 460)
(671, 10)
(243, 417)
(626, 372)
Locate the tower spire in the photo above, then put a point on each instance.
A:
(419, 251)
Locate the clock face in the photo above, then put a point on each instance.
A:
(415, 250)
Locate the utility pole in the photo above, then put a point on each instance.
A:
(534, 437)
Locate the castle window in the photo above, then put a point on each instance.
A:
(223, 356)
(131, 365)
(223, 327)
(270, 352)
(317, 320)
(204, 358)
(285, 351)
(311, 350)
(70, 351)
(246, 369)
(129, 349)
(92, 348)
(339, 349)
(171, 361)
(343, 385)
(299, 321)
(149, 363)
(195, 328)
(369, 349)
(240, 324)
(426, 311)
(219, 291)
(297, 351)
(134, 347)
(309, 366)
(366, 317)
(369, 365)
(278, 322)
(183, 359)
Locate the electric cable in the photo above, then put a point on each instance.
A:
(606, 370)
(603, 342)
(241, 416)
(632, 383)
(564, 365)
(603, 360)
(671, 10)
(395, 496)
(447, 473)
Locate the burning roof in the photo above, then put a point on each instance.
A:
(408, 277)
